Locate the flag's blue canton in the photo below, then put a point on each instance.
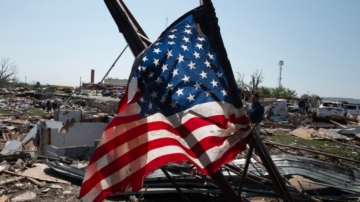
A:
(179, 71)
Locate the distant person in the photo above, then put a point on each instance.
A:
(301, 106)
(256, 112)
(58, 106)
(43, 105)
(54, 106)
(307, 106)
(246, 98)
(48, 106)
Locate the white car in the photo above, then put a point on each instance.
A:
(292, 107)
(326, 109)
(352, 109)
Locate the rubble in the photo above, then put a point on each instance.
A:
(312, 134)
(29, 130)
(67, 137)
(24, 197)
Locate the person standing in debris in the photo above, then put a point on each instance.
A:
(43, 105)
(48, 106)
(307, 106)
(301, 106)
(58, 106)
(256, 112)
(54, 105)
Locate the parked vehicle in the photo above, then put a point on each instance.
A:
(86, 94)
(326, 109)
(107, 93)
(292, 107)
(119, 95)
(352, 109)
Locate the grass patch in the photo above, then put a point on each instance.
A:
(36, 112)
(326, 146)
(31, 112)
(4, 111)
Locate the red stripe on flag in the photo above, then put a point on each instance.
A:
(124, 101)
(161, 160)
(200, 148)
(118, 120)
(242, 120)
(181, 131)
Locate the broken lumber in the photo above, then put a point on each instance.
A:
(302, 193)
(20, 112)
(357, 137)
(310, 150)
(11, 180)
(278, 125)
(4, 198)
(14, 157)
(336, 123)
(21, 176)
(34, 181)
(344, 118)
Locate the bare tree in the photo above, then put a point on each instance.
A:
(256, 79)
(8, 70)
(32, 83)
(241, 83)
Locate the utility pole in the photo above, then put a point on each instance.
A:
(166, 22)
(80, 86)
(25, 82)
(281, 63)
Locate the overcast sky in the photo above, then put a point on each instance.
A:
(57, 42)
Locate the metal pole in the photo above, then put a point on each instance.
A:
(125, 26)
(218, 177)
(281, 63)
(243, 177)
(107, 73)
(225, 187)
(183, 197)
(271, 169)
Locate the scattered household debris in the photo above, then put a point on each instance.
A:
(45, 157)
(311, 134)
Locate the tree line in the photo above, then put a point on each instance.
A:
(8, 73)
(253, 86)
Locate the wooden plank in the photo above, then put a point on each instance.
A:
(344, 118)
(34, 181)
(4, 197)
(29, 178)
(11, 179)
(357, 137)
(336, 123)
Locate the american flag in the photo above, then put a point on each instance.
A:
(178, 107)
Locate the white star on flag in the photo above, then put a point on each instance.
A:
(157, 50)
(180, 58)
(180, 92)
(203, 74)
(192, 65)
(214, 83)
(191, 97)
(164, 67)
(186, 78)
